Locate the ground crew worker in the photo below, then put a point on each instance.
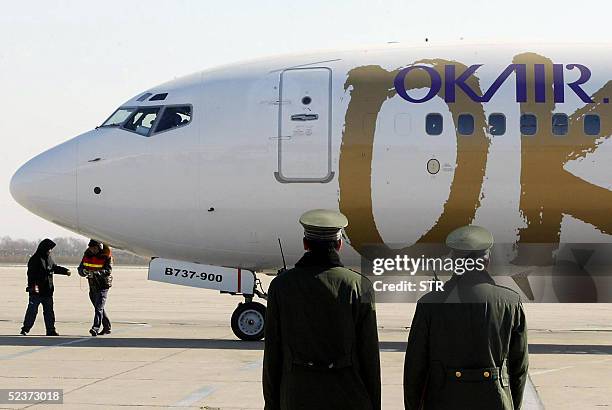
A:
(96, 267)
(467, 348)
(41, 268)
(321, 341)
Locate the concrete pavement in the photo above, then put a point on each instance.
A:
(172, 347)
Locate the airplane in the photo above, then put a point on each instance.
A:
(209, 173)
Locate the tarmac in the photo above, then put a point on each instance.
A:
(172, 347)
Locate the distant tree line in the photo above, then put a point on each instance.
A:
(68, 251)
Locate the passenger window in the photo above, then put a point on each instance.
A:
(592, 124)
(174, 117)
(560, 124)
(433, 124)
(142, 120)
(497, 124)
(465, 124)
(529, 124)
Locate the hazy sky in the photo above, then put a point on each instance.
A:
(66, 65)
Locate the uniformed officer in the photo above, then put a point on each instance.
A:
(321, 340)
(467, 347)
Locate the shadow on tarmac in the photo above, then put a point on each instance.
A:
(222, 344)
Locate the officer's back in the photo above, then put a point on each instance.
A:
(467, 347)
(321, 338)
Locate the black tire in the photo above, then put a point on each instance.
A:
(248, 321)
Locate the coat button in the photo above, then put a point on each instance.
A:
(486, 374)
(458, 374)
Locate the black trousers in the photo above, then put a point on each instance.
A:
(98, 300)
(32, 311)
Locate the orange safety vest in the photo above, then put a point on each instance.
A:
(94, 262)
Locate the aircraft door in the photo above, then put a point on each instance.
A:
(304, 139)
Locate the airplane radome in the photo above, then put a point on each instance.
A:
(207, 172)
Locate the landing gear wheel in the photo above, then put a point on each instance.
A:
(248, 321)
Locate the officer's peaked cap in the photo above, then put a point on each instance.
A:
(470, 238)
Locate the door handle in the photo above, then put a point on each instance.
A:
(304, 117)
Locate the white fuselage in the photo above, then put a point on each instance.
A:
(222, 189)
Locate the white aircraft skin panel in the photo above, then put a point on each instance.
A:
(407, 199)
(157, 191)
(132, 174)
(576, 231)
(501, 187)
(251, 214)
(592, 168)
(53, 169)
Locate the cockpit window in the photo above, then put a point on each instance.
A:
(159, 97)
(144, 96)
(174, 117)
(118, 117)
(142, 120)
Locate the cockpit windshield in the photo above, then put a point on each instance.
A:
(118, 117)
(142, 120)
(148, 120)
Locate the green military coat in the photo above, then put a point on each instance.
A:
(467, 348)
(321, 341)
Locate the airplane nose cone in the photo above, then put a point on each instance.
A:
(46, 185)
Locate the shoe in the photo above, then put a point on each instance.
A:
(93, 332)
(52, 333)
(105, 332)
(23, 333)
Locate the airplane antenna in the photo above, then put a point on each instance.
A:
(280, 245)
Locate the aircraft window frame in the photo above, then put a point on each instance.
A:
(163, 111)
(153, 125)
(159, 97)
(521, 125)
(113, 114)
(144, 97)
(427, 127)
(505, 122)
(464, 115)
(584, 125)
(554, 126)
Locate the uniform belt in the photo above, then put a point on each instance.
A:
(336, 364)
(474, 375)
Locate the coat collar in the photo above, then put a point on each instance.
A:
(330, 258)
(470, 278)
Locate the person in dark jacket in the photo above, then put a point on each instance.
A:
(467, 348)
(41, 268)
(96, 267)
(321, 341)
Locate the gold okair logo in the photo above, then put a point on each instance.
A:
(548, 191)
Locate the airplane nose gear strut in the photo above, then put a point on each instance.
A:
(249, 318)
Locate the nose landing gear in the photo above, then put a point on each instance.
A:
(248, 321)
(249, 318)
